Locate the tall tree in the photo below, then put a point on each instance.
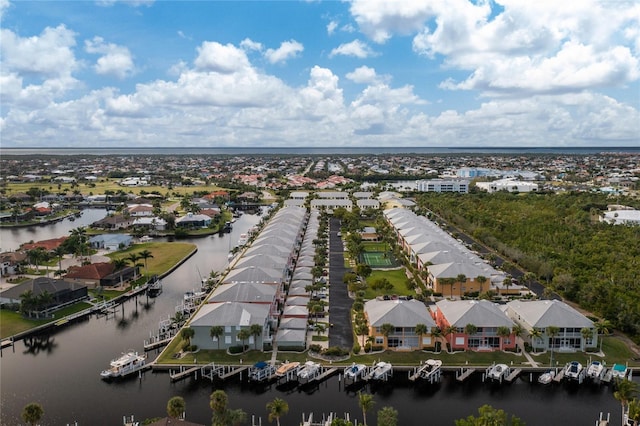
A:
(276, 409)
(626, 390)
(243, 335)
(144, 255)
(587, 334)
(552, 332)
(503, 332)
(386, 329)
(32, 413)
(365, 402)
(536, 334)
(256, 331)
(489, 416)
(387, 416)
(421, 329)
(481, 280)
(186, 334)
(603, 327)
(462, 279)
(216, 332)
(176, 407)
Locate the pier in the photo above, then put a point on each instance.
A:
(512, 376)
(464, 373)
(184, 373)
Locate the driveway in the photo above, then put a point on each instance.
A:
(339, 301)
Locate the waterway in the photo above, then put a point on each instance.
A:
(61, 371)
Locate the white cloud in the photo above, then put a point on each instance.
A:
(4, 5)
(225, 59)
(363, 74)
(115, 61)
(48, 55)
(355, 48)
(248, 44)
(331, 27)
(288, 49)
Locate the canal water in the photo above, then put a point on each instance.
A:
(61, 371)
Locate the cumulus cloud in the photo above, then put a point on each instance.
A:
(216, 57)
(248, 44)
(4, 5)
(365, 75)
(288, 49)
(115, 61)
(355, 48)
(522, 48)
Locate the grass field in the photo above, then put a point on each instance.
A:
(165, 255)
(396, 277)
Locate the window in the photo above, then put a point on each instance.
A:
(379, 340)
(227, 340)
(227, 329)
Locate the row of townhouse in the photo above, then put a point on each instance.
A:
(479, 325)
(254, 291)
(442, 260)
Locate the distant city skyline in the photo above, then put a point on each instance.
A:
(361, 73)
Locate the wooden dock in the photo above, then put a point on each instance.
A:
(6, 343)
(326, 373)
(514, 373)
(559, 376)
(608, 376)
(183, 373)
(464, 374)
(157, 344)
(233, 372)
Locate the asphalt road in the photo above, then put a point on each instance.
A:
(340, 303)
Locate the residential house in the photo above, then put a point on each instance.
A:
(61, 291)
(101, 274)
(403, 315)
(474, 325)
(111, 242)
(538, 315)
(191, 220)
(10, 262)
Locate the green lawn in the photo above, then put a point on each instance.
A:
(12, 323)
(396, 277)
(165, 255)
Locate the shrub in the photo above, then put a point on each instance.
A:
(377, 348)
(356, 348)
(335, 351)
(315, 348)
(235, 349)
(367, 347)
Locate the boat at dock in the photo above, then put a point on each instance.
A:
(573, 370)
(287, 368)
(128, 363)
(546, 377)
(429, 369)
(354, 371)
(381, 370)
(261, 370)
(619, 371)
(596, 370)
(498, 372)
(155, 286)
(307, 371)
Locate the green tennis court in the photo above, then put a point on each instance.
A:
(377, 259)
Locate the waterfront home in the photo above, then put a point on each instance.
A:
(575, 331)
(250, 292)
(140, 210)
(115, 221)
(46, 245)
(233, 317)
(59, 292)
(111, 242)
(191, 220)
(329, 204)
(474, 325)
(10, 262)
(151, 223)
(403, 315)
(101, 274)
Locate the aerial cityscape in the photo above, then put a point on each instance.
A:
(368, 212)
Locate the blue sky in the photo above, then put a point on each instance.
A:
(313, 73)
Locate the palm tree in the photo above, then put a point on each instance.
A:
(216, 331)
(552, 332)
(507, 282)
(119, 263)
(133, 258)
(186, 334)
(243, 335)
(387, 416)
(218, 402)
(634, 411)
(365, 401)
(462, 279)
(481, 280)
(448, 331)
(277, 408)
(145, 254)
(626, 391)
(587, 334)
(386, 329)
(80, 235)
(535, 333)
(420, 330)
(32, 413)
(176, 407)
(27, 302)
(436, 333)
(603, 327)
(504, 332)
(256, 331)
(59, 253)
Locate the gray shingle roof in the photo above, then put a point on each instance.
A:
(545, 313)
(400, 313)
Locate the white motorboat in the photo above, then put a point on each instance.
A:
(243, 240)
(429, 368)
(354, 371)
(595, 370)
(619, 371)
(381, 370)
(498, 372)
(547, 377)
(307, 371)
(573, 370)
(128, 363)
